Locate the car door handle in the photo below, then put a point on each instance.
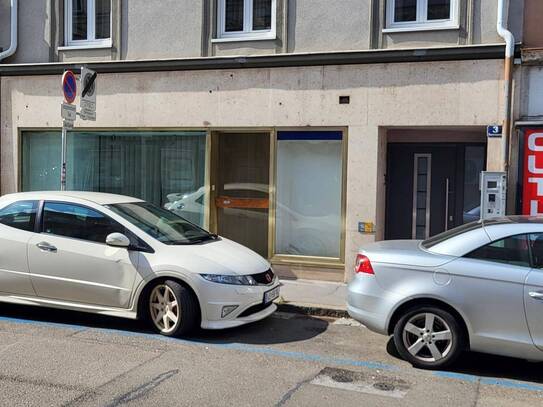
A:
(535, 295)
(47, 247)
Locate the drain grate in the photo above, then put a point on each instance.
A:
(360, 382)
(384, 386)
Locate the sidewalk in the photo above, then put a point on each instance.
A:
(314, 297)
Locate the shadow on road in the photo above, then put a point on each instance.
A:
(480, 364)
(270, 331)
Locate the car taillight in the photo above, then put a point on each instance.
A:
(363, 265)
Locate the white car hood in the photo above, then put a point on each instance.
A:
(220, 256)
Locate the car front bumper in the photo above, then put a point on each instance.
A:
(249, 302)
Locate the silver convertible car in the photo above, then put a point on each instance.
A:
(477, 287)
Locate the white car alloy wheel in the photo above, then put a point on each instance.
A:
(164, 308)
(427, 337)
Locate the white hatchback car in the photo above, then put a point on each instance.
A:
(121, 256)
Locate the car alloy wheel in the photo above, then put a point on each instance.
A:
(427, 337)
(164, 308)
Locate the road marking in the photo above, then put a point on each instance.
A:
(307, 357)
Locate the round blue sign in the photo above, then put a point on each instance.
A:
(69, 86)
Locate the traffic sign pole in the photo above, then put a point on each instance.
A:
(68, 113)
(63, 159)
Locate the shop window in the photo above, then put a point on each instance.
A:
(309, 193)
(421, 14)
(88, 22)
(246, 19)
(165, 168)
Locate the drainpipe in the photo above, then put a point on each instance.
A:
(13, 45)
(509, 55)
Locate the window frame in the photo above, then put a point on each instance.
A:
(91, 41)
(248, 34)
(421, 23)
(275, 256)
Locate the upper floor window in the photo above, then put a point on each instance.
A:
(412, 15)
(246, 19)
(88, 22)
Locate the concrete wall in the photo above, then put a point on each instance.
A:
(533, 34)
(161, 28)
(440, 95)
(184, 28)
(321, 25)
(34, 31)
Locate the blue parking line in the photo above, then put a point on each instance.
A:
(306, 357)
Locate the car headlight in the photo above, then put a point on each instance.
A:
(233, 280)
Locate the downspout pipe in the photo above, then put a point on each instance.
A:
(13, 44)
(509, 38)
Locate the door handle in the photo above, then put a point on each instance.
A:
(447, 204)
(535, 295)
(47, 247)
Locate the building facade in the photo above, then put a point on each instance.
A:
(300, 128)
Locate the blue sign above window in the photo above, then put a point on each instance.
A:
(310, 135)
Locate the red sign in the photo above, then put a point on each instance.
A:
(532, 195)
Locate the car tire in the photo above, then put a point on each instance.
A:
(172, 309)
(429, 337)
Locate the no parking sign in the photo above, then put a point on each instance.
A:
(69, 86)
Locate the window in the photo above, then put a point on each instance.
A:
(164, 168)
(449, 234)
(20, 215)
(246, 19)
(78, 222)
(511, 250)
(410, 15)
(88, 22)
(309, 193)
(536, 245)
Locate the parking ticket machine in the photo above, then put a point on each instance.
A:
(493, 194)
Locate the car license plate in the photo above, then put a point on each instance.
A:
(271, 295)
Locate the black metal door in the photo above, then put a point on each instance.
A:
(422, 190)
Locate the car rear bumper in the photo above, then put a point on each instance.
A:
(369, 304)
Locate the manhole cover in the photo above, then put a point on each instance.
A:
(384, 386)
(342, 378)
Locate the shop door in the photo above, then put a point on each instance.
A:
(242, 189)
(431, 188)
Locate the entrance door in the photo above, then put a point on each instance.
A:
(242, 189)
(431, 188)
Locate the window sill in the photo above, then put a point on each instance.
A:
(243, 39)
(309, 261)
(84, 46)
(420, 28)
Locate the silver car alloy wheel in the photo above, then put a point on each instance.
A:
(427, 337)
(164, 308)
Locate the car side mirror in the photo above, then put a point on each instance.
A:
(117, 240)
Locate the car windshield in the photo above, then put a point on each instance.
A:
(440, 238)
(163, 225)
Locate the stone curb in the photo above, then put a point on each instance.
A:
(312, 310)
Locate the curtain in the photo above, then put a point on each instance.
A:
(165, 168)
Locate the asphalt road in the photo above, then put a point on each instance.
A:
(52, 358)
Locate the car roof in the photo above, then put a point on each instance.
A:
(99, 198)
(513, 219)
